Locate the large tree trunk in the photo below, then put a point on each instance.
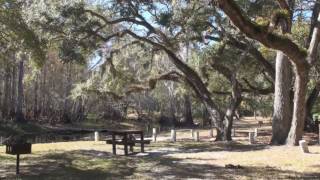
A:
(20, 116)
(302, 72)
(282, 108)
(297, 125)
(309, 123)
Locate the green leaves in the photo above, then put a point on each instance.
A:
(70, 51)
(165, 18)
(76, 10)
(20, 33)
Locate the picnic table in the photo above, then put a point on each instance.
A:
(127, 139)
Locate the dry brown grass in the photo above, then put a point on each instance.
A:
(166, 160)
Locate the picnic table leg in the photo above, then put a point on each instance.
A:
(125, 144)
(114, 144)
(142, 144)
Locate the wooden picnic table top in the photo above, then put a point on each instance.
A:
(120, 132)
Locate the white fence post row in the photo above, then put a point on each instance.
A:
(96, 136)
(197, 137)
(251, 137)
(304, 146)
(154, 134)
(173, 135)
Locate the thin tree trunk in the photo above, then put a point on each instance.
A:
(299, 107)
(216, 119)
(309, 124)
(173, 112)
(1, 93)
(43, 92)
(13, 92)
(188, 111)
(20, 116)
(5, 103)
(233, 106)
(66, 104)
(35, 105)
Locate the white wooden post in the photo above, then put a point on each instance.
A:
(234, 132)
(251, 137)
(173, 135)
(256, 132)
(304, 146)
(96, 136)
(211, 132)
(197, 137)
(192, 133)
(154, 134)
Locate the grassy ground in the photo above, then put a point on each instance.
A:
(9, 128)
(166, 160)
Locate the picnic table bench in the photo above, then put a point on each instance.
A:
(127, 139)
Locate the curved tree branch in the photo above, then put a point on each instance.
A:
(261, 33)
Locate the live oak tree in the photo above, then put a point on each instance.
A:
(282, 111)
(161, 30)
(301, 58)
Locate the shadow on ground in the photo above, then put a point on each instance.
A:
(194, 147)
(91, 164)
